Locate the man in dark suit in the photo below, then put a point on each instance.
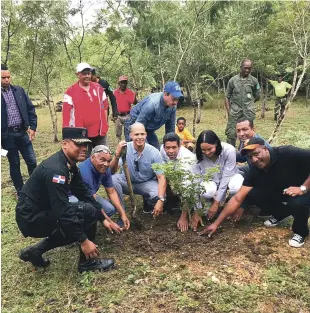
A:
(18, 127)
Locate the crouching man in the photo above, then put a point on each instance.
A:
(171, 150)
(95, 171)
(145, 181)
(279, 180)
(43, 209)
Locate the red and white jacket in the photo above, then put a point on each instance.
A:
(86, 109)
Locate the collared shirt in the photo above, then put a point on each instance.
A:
(93, 179)
(14, 117)
(152, 113)
(289, 166)
(186, 157)
(87, 109)
(124, 100)
(227, 168)
(280, 89)
(140, 166)
(241, 158)
(242, 93)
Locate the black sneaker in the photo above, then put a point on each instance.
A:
(297, 241)
(102, 265)
(30, 254)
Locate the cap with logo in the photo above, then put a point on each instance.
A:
(82, 66)
(174, 89)
(76, 134)
(122, 78)
(252, 144)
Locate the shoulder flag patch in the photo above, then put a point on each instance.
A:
(58, 179)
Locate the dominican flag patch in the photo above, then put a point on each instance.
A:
(58, 179)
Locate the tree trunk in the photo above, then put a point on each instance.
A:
(51, 107)
(135, 86)
(224, 89)
(190, 100)
(307, 94)
(264, 95)
(33, 60)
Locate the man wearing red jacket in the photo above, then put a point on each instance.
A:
(85, 104)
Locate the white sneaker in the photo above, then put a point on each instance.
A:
(297, 241)
(272, 222)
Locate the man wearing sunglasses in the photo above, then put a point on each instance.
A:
(242, 92)
(154, 111)
(43, 208)
(145, 181)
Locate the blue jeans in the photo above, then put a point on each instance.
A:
(14, 143)
(148, 189)
(107, 206)
(151, 137)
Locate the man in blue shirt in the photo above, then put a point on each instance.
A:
(145, 181)
(95, 171)
(154, 111)
(245, 131)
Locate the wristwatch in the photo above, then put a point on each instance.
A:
(303, 189)
(163, 199)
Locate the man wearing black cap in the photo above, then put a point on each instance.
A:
(278, 179)
(43, 209)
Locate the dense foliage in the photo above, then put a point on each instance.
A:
(196, 42)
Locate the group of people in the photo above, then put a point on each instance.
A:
(60, 200)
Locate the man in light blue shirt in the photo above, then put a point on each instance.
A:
(145, 181)
(154, 111)
(95, 171)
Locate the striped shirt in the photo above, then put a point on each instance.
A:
(14, 117)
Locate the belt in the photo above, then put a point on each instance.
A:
(15, 129)
(123, 114)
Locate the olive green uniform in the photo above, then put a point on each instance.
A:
(241, 93)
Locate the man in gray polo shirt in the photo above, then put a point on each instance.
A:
(145, 181)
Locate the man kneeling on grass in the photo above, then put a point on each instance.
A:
(95, 171)
(44, 210)
(171, 150)
(279, 179)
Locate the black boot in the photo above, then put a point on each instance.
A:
(33, 254)
(92, 265)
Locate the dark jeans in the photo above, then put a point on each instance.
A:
(298, 207)
(14, 143)
(151, 137)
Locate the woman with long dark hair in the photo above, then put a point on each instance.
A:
(211, 152)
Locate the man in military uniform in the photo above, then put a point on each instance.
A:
(43, 209)
(241, 93)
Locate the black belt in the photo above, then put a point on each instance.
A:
(15, 129)
(123, 114)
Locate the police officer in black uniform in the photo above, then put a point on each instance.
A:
(43, 209)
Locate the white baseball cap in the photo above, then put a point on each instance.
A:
(82, 66)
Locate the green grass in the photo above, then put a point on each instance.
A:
(221, 275)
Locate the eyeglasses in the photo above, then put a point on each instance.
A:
(136, 163)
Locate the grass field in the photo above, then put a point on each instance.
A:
(243, 268)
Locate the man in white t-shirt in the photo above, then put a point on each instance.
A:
(171, 150)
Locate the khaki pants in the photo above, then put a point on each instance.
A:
(119, 123)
